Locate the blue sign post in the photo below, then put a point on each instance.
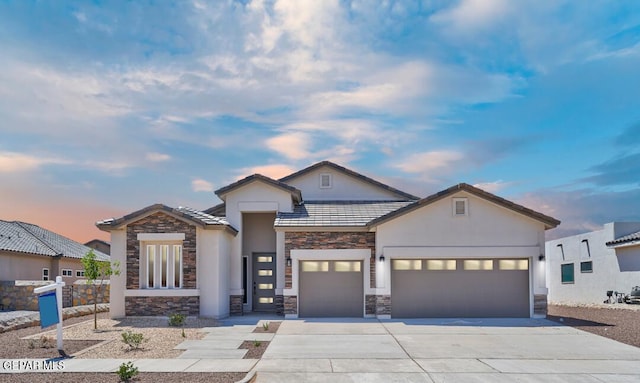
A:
(50, 305)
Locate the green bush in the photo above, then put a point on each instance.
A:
(127, 371)
(177, 319)
(133, 339)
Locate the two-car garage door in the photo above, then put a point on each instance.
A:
(453, 288)
(420, 288)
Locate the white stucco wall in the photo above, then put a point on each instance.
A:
(212, 269)
(488, 231)
(256, 197)
(118, 282)
(613, 269)
(343, 187)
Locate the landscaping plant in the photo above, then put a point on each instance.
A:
(127, 371)
(95, 270)
(133, 339)
(177, 319)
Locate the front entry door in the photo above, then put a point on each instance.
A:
(264, 281)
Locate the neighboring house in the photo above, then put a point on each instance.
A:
(327, 241)
(100, 245)
(29, 252)
(582, 268)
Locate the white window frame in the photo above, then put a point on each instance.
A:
(172, 247)
(454, 203)
(79, 273)
(329, 177)
(66, 273)
(45, 277)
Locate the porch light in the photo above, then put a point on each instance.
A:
(381, 258)
(541, 257)
(288, 261)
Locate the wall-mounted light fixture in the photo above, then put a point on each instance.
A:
(288, 261)
(541, 257)
(381, 258)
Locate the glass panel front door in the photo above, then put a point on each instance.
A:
(264, 281)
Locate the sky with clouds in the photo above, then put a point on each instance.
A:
(106, 108)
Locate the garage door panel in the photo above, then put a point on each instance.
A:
(460, 293)
(331, 293)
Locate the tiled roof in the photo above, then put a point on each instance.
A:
(336, 213)
(220, 210)
(26, 238)
(549, 222)
(295, 193)
(206, 219)
(186, 213)
(361, 177)
(625, 240)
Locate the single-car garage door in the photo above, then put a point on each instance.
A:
(454, 288)
(331, 289)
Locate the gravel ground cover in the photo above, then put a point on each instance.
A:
(619, 322)
(82, 341)
(14, 346)
(143, 377)
(255, 349)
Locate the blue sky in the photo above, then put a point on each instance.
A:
(107, 107)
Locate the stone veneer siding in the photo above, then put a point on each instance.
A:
(540, 304)
(161, 223)
(161, 306)
(279, 301)
(19, 295)
(329, 240)
(291, 304)
(370, 305)
(235, 304)
(383, 304)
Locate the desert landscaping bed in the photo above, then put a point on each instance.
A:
(143, 377)
(618, 321)
(82, 341)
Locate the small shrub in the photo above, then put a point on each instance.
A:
(183, 334)
(32, 343)
(47, 342)
(133, 339)
(256, 343)
(265, 326)
(177, 319)
(127, 371)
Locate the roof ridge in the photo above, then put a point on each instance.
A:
(41, 240)
(352, 173)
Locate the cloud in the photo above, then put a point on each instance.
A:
(583, 210)
(275, 171)
(200, 185)
(293, 145)
(430, 164)
(157, 157)
(621, 170)
(11, 162)
(492, 187)
(629, 137)
(470, 16)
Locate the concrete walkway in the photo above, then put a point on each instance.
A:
(436, 350)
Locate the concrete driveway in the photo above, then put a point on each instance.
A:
(443, 350)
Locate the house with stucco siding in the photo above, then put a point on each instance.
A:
(30, 252)
(327, 241)
(582, 268)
